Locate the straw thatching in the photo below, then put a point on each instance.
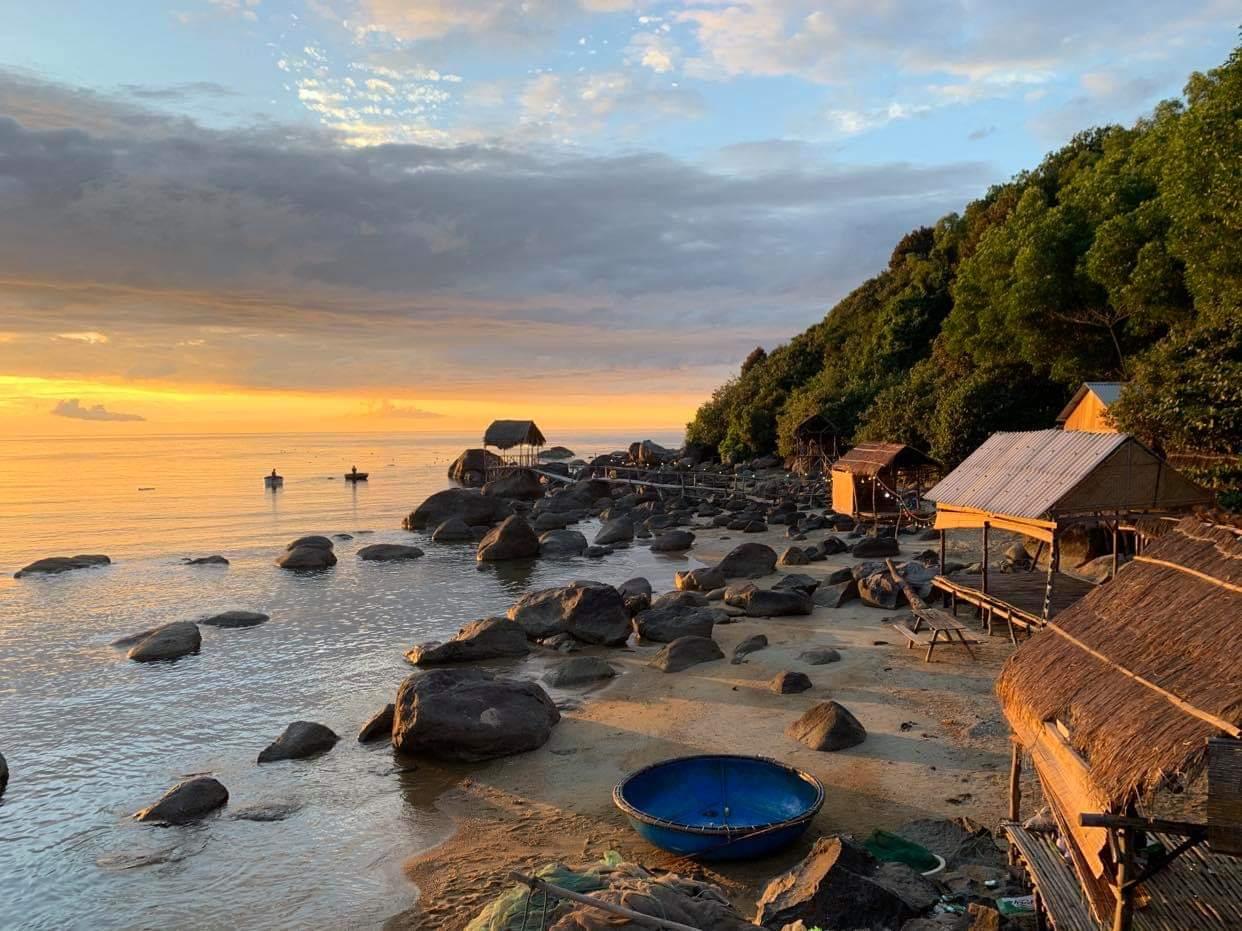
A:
(1169, 618)
(505, 434)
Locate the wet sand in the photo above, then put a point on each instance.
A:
(936, 747)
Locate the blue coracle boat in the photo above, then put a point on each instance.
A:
(719, 806)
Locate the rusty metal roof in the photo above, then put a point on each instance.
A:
(1043, 472)
(872, 458)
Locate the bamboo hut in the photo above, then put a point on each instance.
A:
(1088, 409)
(1040, 484)
(1129, 702)
(519, 442)
(881, 481)
(817, 444)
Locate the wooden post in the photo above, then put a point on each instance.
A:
(1054, 561)
(1116, 540)
(984, 564)
(942, 550)
(1125, 869)
(1015, 782)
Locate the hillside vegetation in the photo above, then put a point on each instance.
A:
(1118, 258)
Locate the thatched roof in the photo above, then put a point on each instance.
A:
(505, 434)
(814, 426)
(873, 458)
(1106, 391)
(1143, 670)
(1043, 473)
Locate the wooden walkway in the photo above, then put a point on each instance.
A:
(691, 487)
(1017, 598)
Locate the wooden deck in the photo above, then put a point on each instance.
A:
(1014, 597)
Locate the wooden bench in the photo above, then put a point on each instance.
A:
(943, 626)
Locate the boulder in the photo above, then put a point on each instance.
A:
(468, 714)
(769, 602)
(513, 539)
(666, 624)
(471, 467)
(171, 641)
(473, 507)
(672, 541)
(650, 453)
(299, 740)
(379, 725)
(312, 540)
(797, 582)
(685, 652)
(186, 801)
(554, 453)
(453, 530)
(836, 576)
(206, 561)
(580, 670)
(833, 596)
(753, 526)
(342, 536)
(590, 611)
(790, 683)
(879, 590)
(750, 645)
(550, 520)
(4, 774)
(388, 552)
(680, 600)
(520, 485)
(871, 547)
(54, 564)
(313, 552)
(617, 530)
(598, 552)
(833, 887)
(235, 619)
(699, 580)
(1098, 570)
(793, 556)
(562, 543)
(819, 657)
(827, 726)
(832, 545)
(747, 561)
(634, 587)
(489, 638)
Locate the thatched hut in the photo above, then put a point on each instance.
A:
(816, 445)
(1088, 409)
(519, 440)
(1133, 691)
(878, 481)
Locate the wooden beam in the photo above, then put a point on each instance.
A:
(942, 550)
(1015, 783)
(1157, 825)
(984, 564)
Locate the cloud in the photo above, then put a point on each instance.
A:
(73, 408)
(90, 337)
(388, 409)
(187, 90)
(981, 133)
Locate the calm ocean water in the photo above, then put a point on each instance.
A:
(90, 737)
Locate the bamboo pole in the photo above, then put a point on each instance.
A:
(984, 564)
(1015, 783)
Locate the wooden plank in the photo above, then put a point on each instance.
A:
(1224, 801)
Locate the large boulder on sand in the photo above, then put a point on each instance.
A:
(520, 484)
(748, 561)
(489, 638)
(617, 530)
(672, 541)
(312, 552)
(833, 596)
(55, 564)
(871, 547)
(580, 670)
(299, 740)
(790, 683)
(837, 885)
(827, 726)
(794, 556)
(705, 579)
(589, 611)
(468, 714)
(513, 539)
(168, 642)
(186, 801)
(562, 543)
(879, 590)
(475, 508)
(685, 652)
(388, 552)
(771, 602)
(667, 623)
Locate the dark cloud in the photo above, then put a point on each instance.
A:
(74, 409)
(981, 133)
(188, 90)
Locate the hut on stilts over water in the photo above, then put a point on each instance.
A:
(882, 482)
(817, 445)
(519, 442)
(1043, 484)
(1129, 708)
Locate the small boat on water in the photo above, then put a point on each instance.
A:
(273, 480)
(353, 475)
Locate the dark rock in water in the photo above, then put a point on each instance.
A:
(342, 536)
(819, 657)
(790, 683)
(171, 641)
(748, 561)
(313, 552)
(794, 556)
(265, 812)
(870, 547)
(562, 643)
(775, 603)
(879, 590)
(468, 714)
(379, 726)
(520, 484)
(617, 530)
(313, 540)
(672, 541)
(4, 773)
(551, 520)
(827, 726)
(797, 582)
(186, 801)
(699, 580)
(473, 507)
(635, 586)
(578, 671)
(833, 596)
(666, 624)
(562, 543)
(590, 611)
(680, 600)
(453, 530)
(235, 619)
(598, 552)
(555, 453)
(835, 886)
(54, 564)
(299, 740)
(388, 552)
(513, 539)
(685, 652)
(206, 561)
(750, 645)
(489, 638)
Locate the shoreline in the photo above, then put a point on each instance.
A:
(936, 748)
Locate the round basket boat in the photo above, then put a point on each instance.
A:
(718, 806)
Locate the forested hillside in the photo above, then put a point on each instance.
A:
(1119, 257)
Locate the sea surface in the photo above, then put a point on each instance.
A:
(91, 737)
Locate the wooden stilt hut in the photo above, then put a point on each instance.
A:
(1039, 484)
(880, 481)
(1129, 709)
(519, 442)
(817, 445)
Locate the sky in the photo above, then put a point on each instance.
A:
(249, 215)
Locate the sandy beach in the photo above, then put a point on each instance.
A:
(936, 748)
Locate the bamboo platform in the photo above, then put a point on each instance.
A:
(1052, 878)
(1016, 597)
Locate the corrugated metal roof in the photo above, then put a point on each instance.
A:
(871, 458)
(1025, 474)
